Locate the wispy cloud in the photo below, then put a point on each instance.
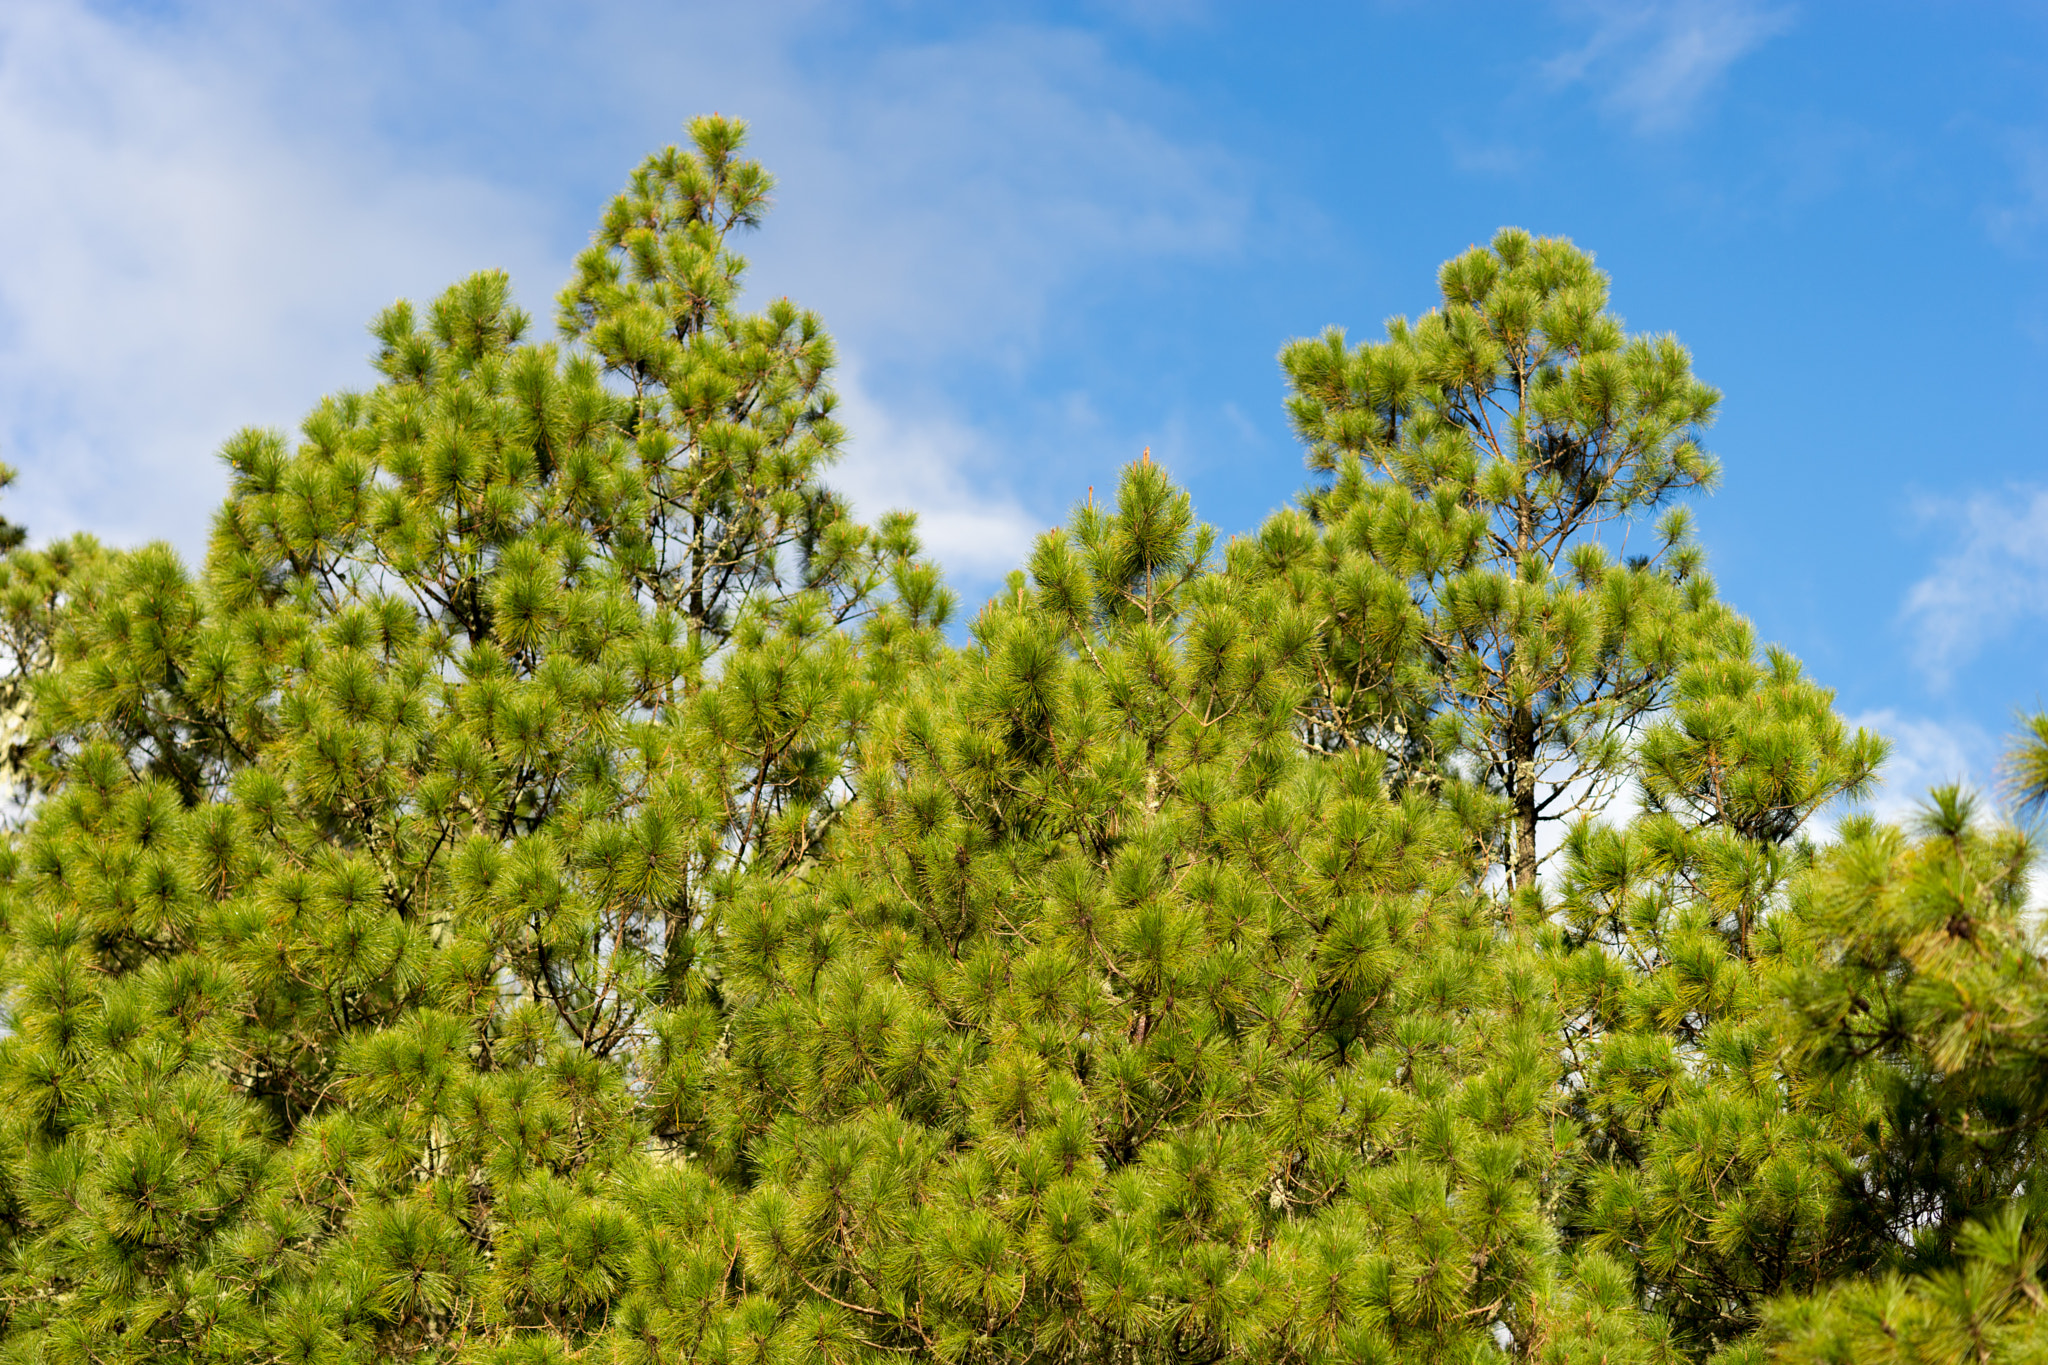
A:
(1926, 753)
(2015, 221)
(943, 468)
(951, 194)
(1654, 61)
(1994, 578)
(1489, 157)
(205, 207)
(173, 264)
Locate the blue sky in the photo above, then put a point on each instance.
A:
(1049, 236)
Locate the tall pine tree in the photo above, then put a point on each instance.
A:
(386, 854)
(1484, 462)
(1920, 988)
(1719, 1164)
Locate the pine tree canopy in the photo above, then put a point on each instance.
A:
(1474, 457)
(550, 888)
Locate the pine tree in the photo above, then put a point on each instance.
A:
(1718, 1162)
(36, 589)
(731, 413)
(362, 945)
(1480, 462)
(1922, 989)
(1120, 1027)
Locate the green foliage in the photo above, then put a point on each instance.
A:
(730, 414)
(1924, 986)
(1723, 1169)
(37, 589)
(1124, 1028)
(362, 941)
(1476, 457)
(547, 890)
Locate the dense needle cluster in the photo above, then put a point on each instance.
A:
(550, 889)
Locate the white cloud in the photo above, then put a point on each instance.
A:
(1655, 60)
(203, 211)
(1926, 753)
(942, 468)
(1995, 577)
(174, 265)
(950, 196)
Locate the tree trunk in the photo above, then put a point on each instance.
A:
(1522, 792)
